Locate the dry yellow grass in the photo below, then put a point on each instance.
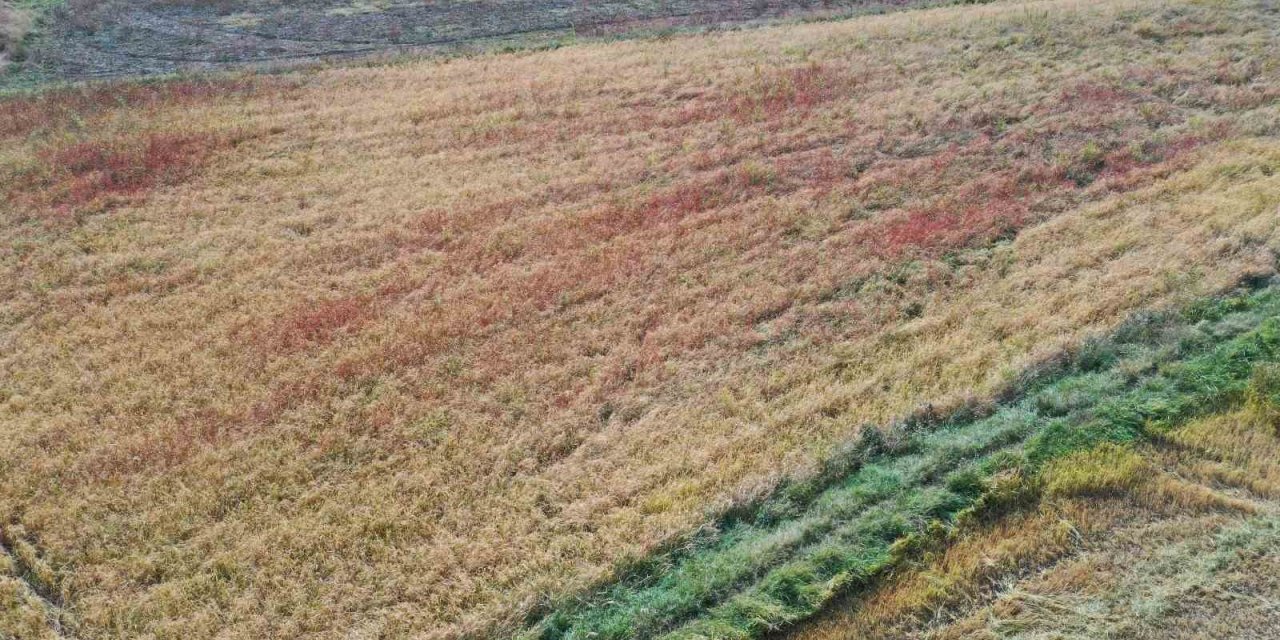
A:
(408, 350)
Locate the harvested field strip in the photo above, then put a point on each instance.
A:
(793, 556)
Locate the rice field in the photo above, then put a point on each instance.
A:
(448, 348)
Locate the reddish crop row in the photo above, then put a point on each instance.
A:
(76, 106)
(97, 174)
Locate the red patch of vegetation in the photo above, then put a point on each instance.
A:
(79, 167)
(316, 323)
(945, 228)
(1093, 95)
(85, 172)
(680, 201)
(164, 447)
